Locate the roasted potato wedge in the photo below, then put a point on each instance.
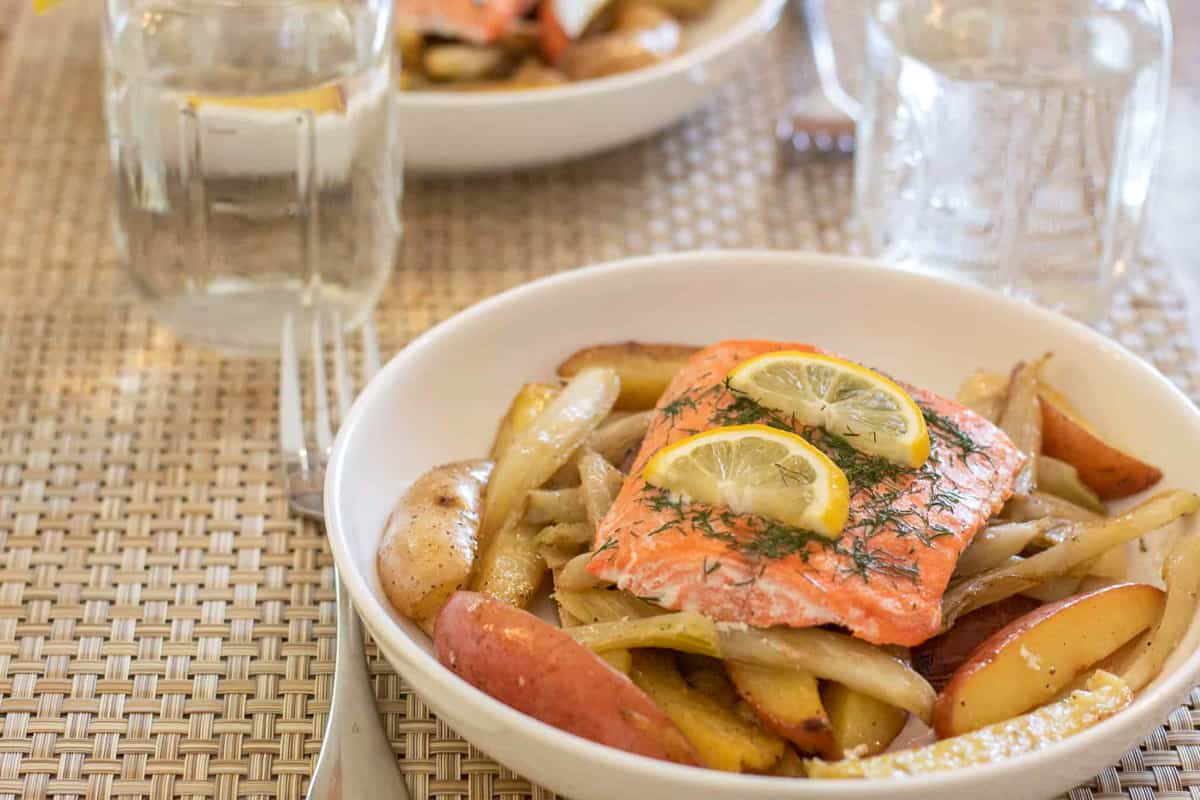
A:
(787, 702)
(539, 670)
(431, 539)
(1105, 695)
(723, 739)
(862, 726)
(1110, 472)
(466, 62)
(939, 658)
(1033, 658)
(790, 765)
(410, 46)
(645, 369)
(708, 675)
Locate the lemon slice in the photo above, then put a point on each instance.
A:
(870, 412)
(754, 469)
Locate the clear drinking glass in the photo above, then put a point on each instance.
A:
(255, 160)
(1012, 141)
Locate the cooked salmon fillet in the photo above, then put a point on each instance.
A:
(479, 21)
(883, 579)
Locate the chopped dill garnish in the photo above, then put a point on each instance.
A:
(661, 500)
(950, 431)
(864, 561)
(609, 544)
(701, 518)
(709, 569)
(944, 498)
(775, 541)
(673, 409)
(863, 470)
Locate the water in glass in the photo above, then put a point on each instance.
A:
(1012, 141)
(255, 161)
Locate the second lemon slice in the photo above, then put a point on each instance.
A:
(754, 469)
(869, 411)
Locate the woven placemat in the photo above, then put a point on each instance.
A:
(165, 626)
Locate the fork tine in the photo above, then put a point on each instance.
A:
(370, 341)
(291, 417)
(341, 372)
(320, 388)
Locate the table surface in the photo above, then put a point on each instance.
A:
(166, 629)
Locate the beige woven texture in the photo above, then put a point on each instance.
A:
(165, 627)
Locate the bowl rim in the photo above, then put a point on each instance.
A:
(457, 690)
(760, 19)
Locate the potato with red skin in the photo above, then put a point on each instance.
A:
(939, 657)
(537, 669)
(1109, 472)
(1029, 661)
(552, 39)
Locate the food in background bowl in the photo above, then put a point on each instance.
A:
(741, 570)
(526, 44)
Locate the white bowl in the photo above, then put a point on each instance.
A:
(440, 398)
(480, 132)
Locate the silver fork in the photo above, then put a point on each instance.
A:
(821, 123)
(356, 761)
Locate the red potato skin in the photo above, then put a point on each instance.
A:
(985, 652)
(537, 669)
(552, 39)
(939, 658)
(1109, 472)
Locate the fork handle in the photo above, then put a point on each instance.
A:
(356, 758)
(824, 58)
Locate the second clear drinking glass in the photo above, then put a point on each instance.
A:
(255, 160)
(1012, 141)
